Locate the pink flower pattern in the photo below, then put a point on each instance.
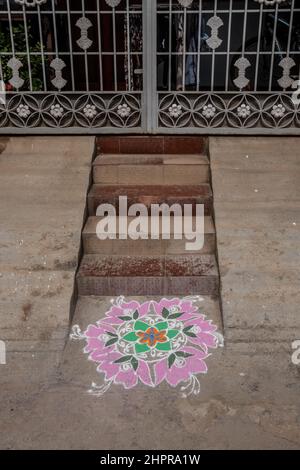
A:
(114, 343)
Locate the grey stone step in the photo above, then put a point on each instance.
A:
(93, 245)
(148, 275)
(147, 195)
(149, 169)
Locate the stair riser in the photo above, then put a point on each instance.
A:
(92, 245)
(95, 201)
(151, 174)
(132, 286)
(151, 144)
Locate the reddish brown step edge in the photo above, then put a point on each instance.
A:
(151, 144)
(148, 266)
(158, 275)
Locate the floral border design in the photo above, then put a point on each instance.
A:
(239, 111)
(56, 110)
(150, 343)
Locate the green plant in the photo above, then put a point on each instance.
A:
(20, 46)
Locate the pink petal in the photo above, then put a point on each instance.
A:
(100, 355)
(197, 366)
(177, 375)
(109, 369)
(160, 371)
(206, 339)
(143, 372)
(115, 311)
(144, 309)
(93, 332)
(127, 378)
(164, 303)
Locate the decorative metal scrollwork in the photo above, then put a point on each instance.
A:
(215, 23)
(113, 3)
(84, 24)
(15, 64)
(31, 3)
(58, 81)
(270, 2)
(287, 63)
(241, 81)
(185, 3)
(213, 110)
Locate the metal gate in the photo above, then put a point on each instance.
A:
(133, 66)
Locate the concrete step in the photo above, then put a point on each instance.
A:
(93, 245)
(151, 144)
(148, 275)
(149, 169)
(147, 195)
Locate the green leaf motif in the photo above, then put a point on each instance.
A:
(111, 334)
(131, 337)
(134, 363)
(140, 326)
(183, 354)
(162, 325)
(172, 333)
(164, 346)
(125, 318)
(136, 315)
(111, 342)
(123, 359)
(188, 328)
(165, 312)
(171, 360)
(141, 348)
(175, 315)
(191, 334)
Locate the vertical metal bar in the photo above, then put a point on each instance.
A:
(228, 56)
(10, 28)
(150, 95)
(87, 84)
(114, 48)
(199, 43)
(184, 49)
(170, 47)
(27, 47)
(245, 28)
(290, 28)
(258, 46)
(99, 45)
(273, 48)
(42, 47)
(128, 45)
(1, 70)
(54, 28)
(71, 45)
(213, 55)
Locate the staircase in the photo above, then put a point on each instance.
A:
(149, 170)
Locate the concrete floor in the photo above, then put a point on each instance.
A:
(250, 396)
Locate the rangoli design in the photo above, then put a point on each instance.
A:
(150, 343)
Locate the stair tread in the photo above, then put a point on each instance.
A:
(92, 221)
(148, 266)
(103, 190)
(151, 159)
